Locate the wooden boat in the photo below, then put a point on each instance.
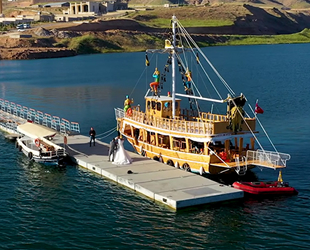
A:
(37, 145)
(190, 138)
(266, 188)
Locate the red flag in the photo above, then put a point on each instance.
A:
(258, 109)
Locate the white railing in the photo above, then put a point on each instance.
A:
(261, 157)
(119, 113)
(30, 114)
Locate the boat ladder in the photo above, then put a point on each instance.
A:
(241, 170)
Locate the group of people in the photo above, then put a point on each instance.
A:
(117, 153)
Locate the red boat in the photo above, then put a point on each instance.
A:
(266, 188)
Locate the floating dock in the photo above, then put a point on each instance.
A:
(171, 186)
(162, 183)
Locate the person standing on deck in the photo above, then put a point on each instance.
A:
(92, 134)
(112, 150)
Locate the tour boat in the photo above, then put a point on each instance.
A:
(192, 136)
(36, 143)
(265, 188)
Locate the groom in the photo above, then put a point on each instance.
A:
(113, 147)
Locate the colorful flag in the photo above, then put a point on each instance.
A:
(258, 109)
(147, 62)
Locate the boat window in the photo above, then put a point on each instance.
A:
(166, 105)
(159, 106)
(176, 105)
(148, 104)
(153, 105)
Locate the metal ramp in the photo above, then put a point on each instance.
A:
(268, 159)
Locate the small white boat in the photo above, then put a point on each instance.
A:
(37, 145)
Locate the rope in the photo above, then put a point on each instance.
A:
(107, 131)
(76, 151)
(111, 132)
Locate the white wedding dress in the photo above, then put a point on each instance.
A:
(121, 157)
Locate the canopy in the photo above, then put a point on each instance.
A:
(35, 130)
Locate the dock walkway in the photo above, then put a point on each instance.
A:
(171, 186)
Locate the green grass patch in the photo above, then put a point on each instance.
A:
(300, 37)
(90, 45)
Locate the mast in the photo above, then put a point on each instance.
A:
(173, 65)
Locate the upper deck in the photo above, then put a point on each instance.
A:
(205, 124)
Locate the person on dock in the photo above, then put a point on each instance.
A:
(112, 150)
(121, 156)
(92, 135)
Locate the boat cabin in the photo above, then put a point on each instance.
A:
(161, 106)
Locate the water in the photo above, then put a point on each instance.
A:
(46, 208)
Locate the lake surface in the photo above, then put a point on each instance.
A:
(46, 208)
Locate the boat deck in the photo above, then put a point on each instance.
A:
(162, 183)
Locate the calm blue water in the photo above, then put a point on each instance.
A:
(44, 208)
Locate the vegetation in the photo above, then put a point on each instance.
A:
(300, 37)
(89, 44)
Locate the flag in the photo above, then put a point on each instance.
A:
(197, 58)
(258, 109)
(147, 62)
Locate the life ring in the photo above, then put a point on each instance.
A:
(37, 142)
(30, 156)
(129, 112)
(65, 140)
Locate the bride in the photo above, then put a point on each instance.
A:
(121, 156)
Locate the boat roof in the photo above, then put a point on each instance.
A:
(35, 130)
(162, 98)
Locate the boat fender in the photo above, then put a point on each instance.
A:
(142, 151)
(176, 165)
(37, 142)
(156, 158)
(30, 156)
(201, 171)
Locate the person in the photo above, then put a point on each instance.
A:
(92, 134)
(113, 148)
(188, 85)
(154, 85)
(121, 156)
(127, 103)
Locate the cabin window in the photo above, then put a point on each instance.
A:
(153, 105)
(159, 106)
(164, 141)
(176, 105)
(148, 104)
(167, 105)
(196, 147)
(179, 144)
